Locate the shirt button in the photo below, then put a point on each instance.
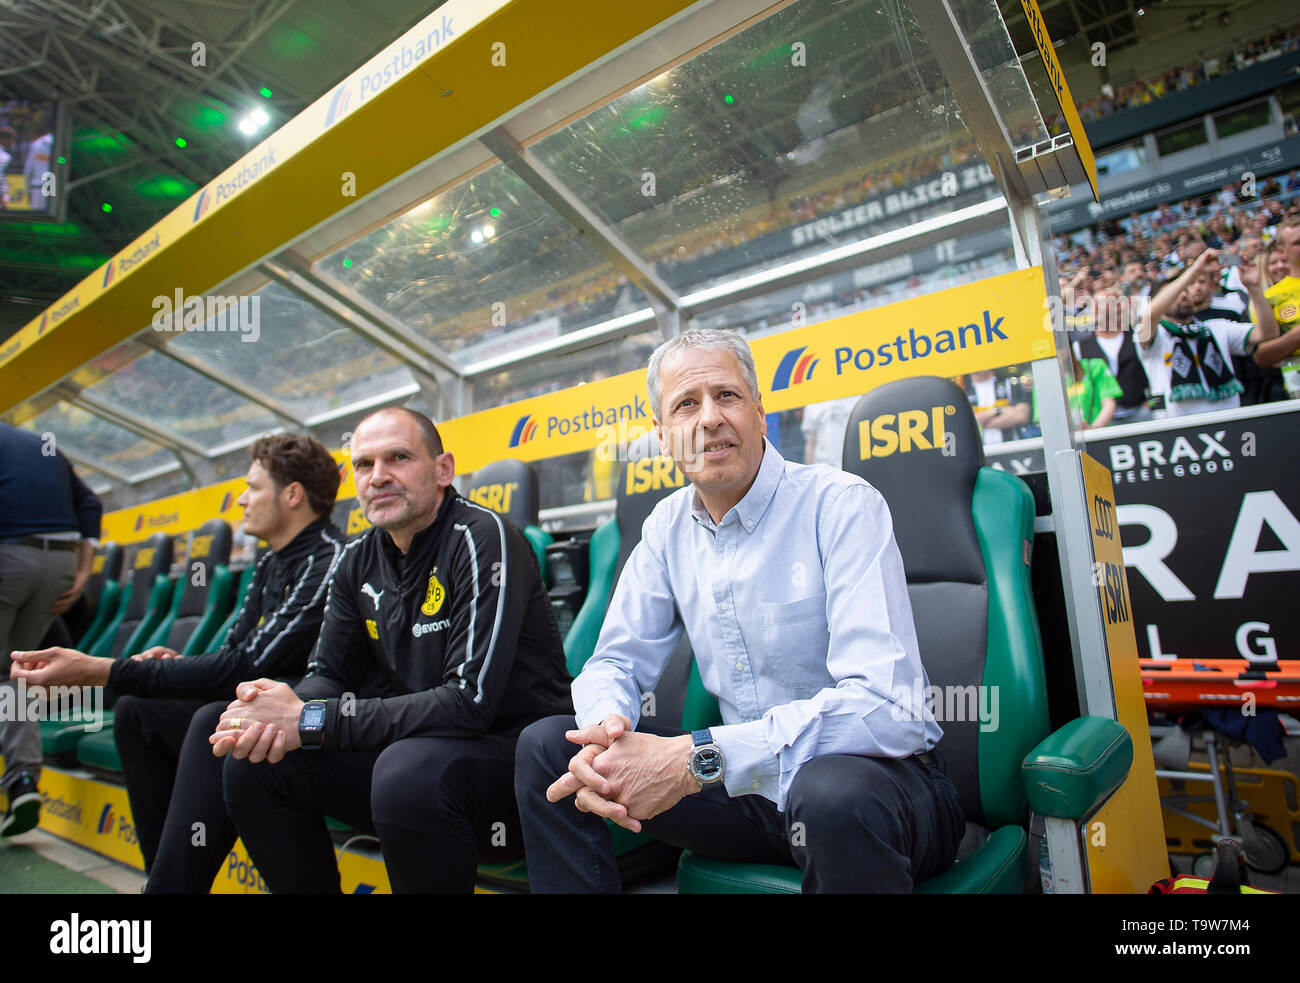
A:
(749, 524)
(724, 607)
(740, 666)
(756, 786)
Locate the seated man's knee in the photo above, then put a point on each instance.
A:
(543, 752)
(841, 792)
(126, 715)
(244, 782)
(404, 791)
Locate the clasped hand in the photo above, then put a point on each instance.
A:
(260, 724)
(624, 776)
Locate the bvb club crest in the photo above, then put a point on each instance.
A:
(434, 598)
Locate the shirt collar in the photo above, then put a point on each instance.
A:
(305, 541)
(750, 509)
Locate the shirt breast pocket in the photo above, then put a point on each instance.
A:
(793, 639)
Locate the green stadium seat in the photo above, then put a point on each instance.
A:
(144, 605)
(964, 531)
(201, 601)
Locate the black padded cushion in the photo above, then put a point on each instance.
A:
(929, 497)
(106, 568)
(148, 559)
(508, 487)
(210, 546)
(928, 491)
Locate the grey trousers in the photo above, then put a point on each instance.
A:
(31, 580)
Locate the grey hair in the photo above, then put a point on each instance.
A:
(700, 339)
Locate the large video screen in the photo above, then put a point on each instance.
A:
(29, 150)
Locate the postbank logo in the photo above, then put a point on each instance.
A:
(202, 546)
(524, 431)
(227, 500)
(108, 273)
(105, 820)
(97, 565)
(45, 316)
(339, 104)
(385, 69)
(144, 559)
(202, 206)
(903, 432)
(435, 596)
(372, 629)
(139, 522)
(796, 366)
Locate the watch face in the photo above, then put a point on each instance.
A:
(313, 717)
(707, 764)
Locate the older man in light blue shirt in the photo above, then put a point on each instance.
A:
(789, 585)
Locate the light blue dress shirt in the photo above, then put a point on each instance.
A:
(797, 608)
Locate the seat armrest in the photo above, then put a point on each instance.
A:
(1074, 770)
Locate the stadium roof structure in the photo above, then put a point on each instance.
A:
(682, 175)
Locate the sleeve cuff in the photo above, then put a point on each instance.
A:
(593, 703)
(752, 769)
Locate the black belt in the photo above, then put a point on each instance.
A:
(41, 542)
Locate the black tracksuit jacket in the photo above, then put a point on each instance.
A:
(272, 636)
(455, 639)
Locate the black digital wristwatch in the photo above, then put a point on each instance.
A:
(311, 725)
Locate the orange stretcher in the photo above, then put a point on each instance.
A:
(1184, 684)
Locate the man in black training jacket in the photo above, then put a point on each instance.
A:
(162, 727)
(439, 646)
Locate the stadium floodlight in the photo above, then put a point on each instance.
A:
(247, 126)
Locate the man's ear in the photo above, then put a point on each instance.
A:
(762, 416)
(664, 448)
(446, 468)
(294, 494)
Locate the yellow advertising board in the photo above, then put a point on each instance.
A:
(97, 815)
(1056, 76)
(986, 324)
(1126, 837)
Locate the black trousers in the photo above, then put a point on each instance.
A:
(437, 804)
(852, 823)
(174, 783)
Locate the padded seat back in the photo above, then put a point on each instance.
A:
(105, 568)
(103, 593)
(509, 487)
(965, 533)
(149, 561)
(209, 553)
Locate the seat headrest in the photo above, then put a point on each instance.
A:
(108, 562)
(211, 543)
(916, 441)
(151, 558)
(646, 479)
(508, 487)
(209, 549)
